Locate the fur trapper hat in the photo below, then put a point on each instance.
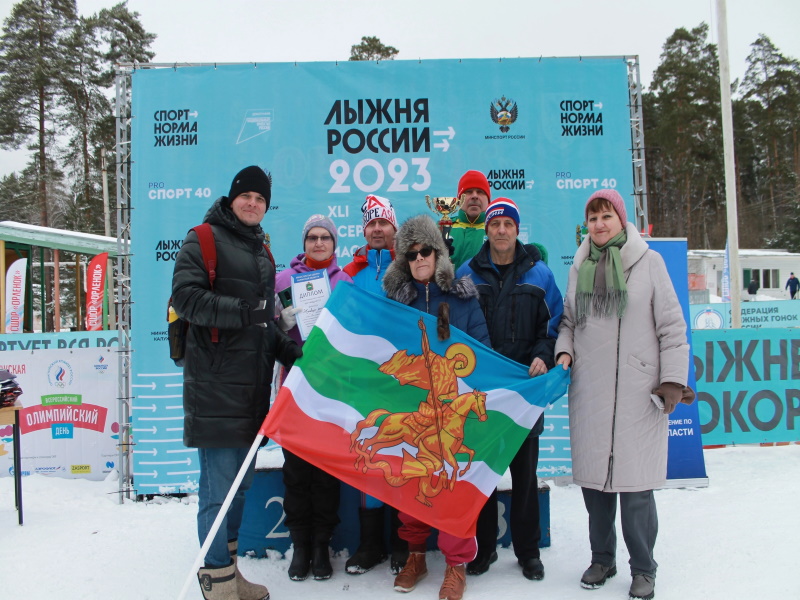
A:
(398, 282)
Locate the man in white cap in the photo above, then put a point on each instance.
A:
(371, 261)
(367, 270)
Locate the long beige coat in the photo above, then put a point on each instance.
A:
(618, 436)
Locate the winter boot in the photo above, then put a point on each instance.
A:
(301, 559)
(454, 584)
(321, 560)
(218, 583)
(482, 562)
(399, 545)
(643, 587)
(414, 570)
(596, 575)
(371, 549)
(247, 590)
(532, 568)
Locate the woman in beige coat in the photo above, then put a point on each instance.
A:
(624, 335)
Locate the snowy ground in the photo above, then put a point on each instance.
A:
(736, 539)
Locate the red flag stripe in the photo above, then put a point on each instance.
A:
(328, 447)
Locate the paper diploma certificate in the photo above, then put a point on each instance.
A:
(310, 291)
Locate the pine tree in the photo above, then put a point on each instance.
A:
(684, 141)
(772, 88)
(371, 48)
(31, 67)
(57, 73)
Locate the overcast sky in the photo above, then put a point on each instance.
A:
(322, 30)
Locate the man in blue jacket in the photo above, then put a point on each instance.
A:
(792, 284)
(523, 307)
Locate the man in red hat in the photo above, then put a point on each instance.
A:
(467, 233)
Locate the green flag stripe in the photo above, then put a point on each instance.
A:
(358, 383)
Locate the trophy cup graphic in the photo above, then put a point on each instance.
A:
(445, 207)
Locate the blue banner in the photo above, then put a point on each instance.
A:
(685, 459)
(546, 132)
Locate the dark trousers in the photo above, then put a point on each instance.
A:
(639, 528)
(524, 518)
(311, 499)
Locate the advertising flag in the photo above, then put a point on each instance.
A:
(424, 425)
(95, 291)
(15, 295)
(726, 275)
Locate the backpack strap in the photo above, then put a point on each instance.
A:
(269, 255)
(208, 248)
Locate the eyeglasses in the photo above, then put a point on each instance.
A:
(411, 255)
(319, 238)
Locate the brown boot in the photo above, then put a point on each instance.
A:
(414, 571)
(246, 589)
(454, 584)
(219, 583)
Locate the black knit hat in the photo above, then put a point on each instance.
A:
(251, 179)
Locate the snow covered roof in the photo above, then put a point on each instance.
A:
(60, 239)
(742, 253)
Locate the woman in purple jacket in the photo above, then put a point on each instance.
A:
(311, 501)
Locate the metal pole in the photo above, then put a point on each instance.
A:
(106, 215)
(56, 289)
(730, 165)
(123, 284)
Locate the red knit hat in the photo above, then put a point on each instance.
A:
(474, 179)
(614, 198)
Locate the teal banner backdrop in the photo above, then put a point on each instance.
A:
(546, 132)
(748, 383)
(755, 315)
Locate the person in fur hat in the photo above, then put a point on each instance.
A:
(422, 276)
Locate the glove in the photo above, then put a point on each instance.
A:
(672, 393)
(288, 319)
(259, 315)
(448, 241)
(287, 351)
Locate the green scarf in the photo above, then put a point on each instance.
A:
(601, 288)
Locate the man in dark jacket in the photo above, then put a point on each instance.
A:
(792, 284)
(523, 307)
(752, 288)
(231, 349)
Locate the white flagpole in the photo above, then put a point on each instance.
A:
(221, 515)
(730, 166)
